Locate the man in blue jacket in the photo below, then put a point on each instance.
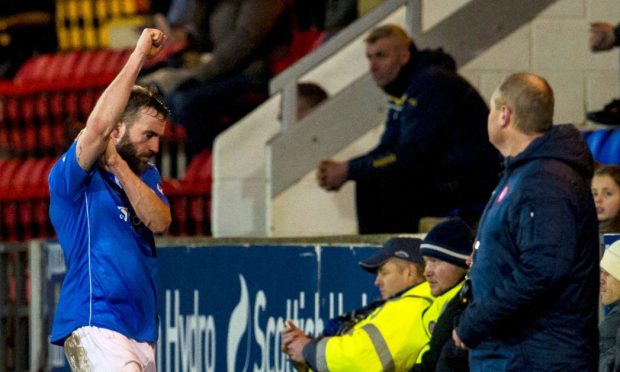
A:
(434, 155)
(535, 264)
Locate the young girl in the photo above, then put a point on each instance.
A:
(606, 193)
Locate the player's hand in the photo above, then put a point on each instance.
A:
(151, 42)
(111, 158)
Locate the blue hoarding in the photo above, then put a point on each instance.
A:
(223, 308)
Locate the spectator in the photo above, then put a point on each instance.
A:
(609, 329)
(328, 15)
(339, 14)
(309, 96)
(604, 36)
(606, 192)
(445, 250)
(241, 36)
(387, 336)
(434, 155)
(535, 264)
(178, 20)
(106, 317)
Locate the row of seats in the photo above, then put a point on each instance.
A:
(67, 71)
(24, 199)
(48, 101)
(190, 197)
(49, 95)
(52, 96)
(604, 145)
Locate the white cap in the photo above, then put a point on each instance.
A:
(611, 260)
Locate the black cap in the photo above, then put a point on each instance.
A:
(449, 241)
(404, 248)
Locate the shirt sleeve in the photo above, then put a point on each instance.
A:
(152, 179)
(67, 179)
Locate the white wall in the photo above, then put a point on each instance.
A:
(240, 178)
(554, 45)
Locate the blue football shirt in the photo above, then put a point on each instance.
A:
(109, 254)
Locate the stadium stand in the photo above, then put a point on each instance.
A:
(604, 145)
(51, 96)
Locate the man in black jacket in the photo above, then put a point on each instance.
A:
(445, 249)
(434, 155)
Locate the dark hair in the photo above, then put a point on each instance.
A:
(613, 171)
(531, 99)
(143, 97)
(312, 93)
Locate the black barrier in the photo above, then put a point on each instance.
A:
(14, 310)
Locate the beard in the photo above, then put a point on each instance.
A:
(128, 152)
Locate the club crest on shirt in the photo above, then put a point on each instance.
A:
(124, 213)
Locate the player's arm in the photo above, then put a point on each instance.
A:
(151, 210)
(110, 106)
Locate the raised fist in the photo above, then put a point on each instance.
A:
(151, 42)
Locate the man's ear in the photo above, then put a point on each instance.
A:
(405, 56)
(118, 131)
(505, 115)
(417, 271)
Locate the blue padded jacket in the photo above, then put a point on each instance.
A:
(535, 269)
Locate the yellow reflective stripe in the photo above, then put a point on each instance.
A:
(396, 100)
(321, 355)
(387, 362)
(386, 160)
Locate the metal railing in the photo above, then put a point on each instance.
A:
(287, 80)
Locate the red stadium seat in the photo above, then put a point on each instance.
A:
(190, 197)
(82, 65)
(66, 68)
(34, 69)
(7, 202)
(56, 105)
(303, 42)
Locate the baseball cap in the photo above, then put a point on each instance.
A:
(400, 247)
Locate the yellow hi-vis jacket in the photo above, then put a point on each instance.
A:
(389, 339)
(432, 313)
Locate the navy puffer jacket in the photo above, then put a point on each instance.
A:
(535, 271)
